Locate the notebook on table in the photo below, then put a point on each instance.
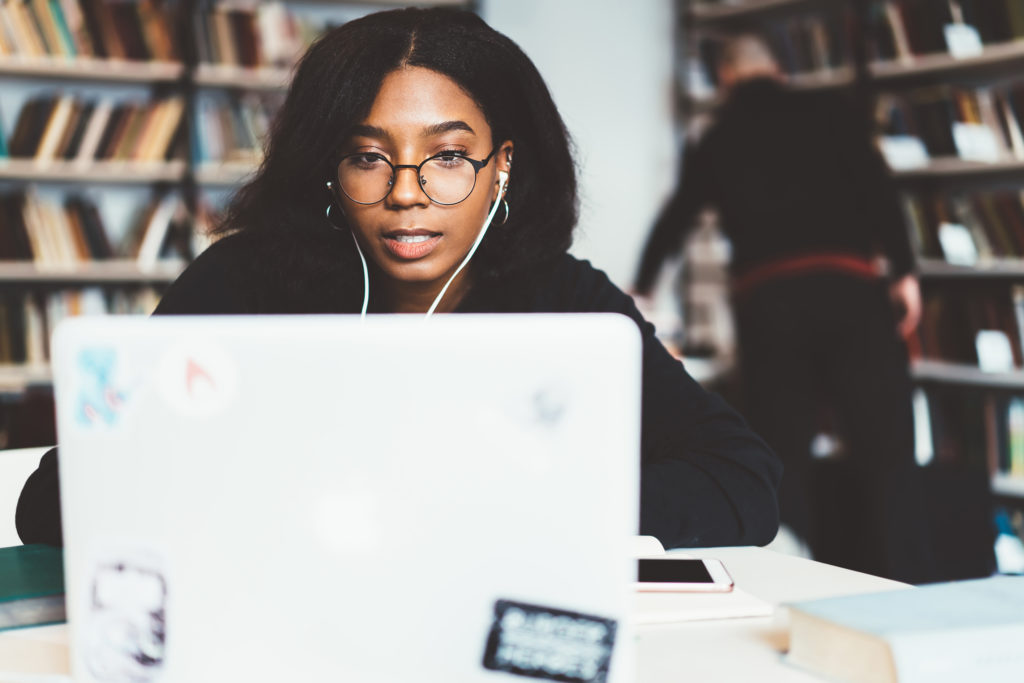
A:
(314, 498)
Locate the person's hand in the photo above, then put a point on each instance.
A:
(906, 294)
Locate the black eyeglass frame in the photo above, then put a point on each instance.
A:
(477, 167)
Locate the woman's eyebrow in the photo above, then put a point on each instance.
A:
(447, 126)
(367, 131)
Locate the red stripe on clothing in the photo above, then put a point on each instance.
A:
(808, 263)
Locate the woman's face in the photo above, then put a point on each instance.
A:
(415, 242)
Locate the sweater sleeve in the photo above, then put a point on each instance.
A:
(676, 219)
(38, 514)
(706, 479)
(878, 194)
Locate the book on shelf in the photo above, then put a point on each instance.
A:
(975, 124)
(31, 317)
(940, 633)
(982, 429)
(115, 29)
(31, 586)
(66, 127)
(901, 30)
(40, 230)
(233, 128)
(952, 319)
(992, 222)
(147, 241)
(256, 35)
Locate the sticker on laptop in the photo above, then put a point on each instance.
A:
(103, 393)
(125, 634)
(198, 380)
(549, 644)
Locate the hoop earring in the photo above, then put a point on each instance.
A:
(327, 215)
(504, 203)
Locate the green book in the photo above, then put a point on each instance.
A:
(31, 586)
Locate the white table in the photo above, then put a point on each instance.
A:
(750, 649)
(738, 650)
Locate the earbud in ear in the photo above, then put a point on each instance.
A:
(503, 176)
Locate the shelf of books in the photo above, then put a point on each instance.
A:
(979, 425)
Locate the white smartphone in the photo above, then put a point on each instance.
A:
(682, 574)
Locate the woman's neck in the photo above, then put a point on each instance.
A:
(417, 297)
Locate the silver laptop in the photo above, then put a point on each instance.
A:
(309, 498)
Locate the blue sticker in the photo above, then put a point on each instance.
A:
(551, 644)
(100, 401)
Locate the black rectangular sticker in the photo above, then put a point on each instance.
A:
(547, 643)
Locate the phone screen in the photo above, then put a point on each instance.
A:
(672, 571)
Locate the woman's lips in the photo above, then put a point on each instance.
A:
(411, 244)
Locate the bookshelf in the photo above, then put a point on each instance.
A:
(975, 180)
(121, 219)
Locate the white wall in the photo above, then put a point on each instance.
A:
(609, 65)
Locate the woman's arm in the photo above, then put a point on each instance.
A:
(675, 221)
(706, 478)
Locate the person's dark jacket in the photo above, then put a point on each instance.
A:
(791, 173)
(706, 479)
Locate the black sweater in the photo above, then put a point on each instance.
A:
(790, 173)
(706, 479)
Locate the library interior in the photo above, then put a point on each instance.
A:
(812, 210)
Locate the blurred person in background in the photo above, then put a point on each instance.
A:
(807, 203)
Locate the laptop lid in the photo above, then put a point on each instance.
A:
(307, 497)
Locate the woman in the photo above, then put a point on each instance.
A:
(407, 137)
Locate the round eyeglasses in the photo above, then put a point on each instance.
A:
(446, 178)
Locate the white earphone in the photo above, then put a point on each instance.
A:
(502, 182)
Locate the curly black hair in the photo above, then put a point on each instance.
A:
(333, 89)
